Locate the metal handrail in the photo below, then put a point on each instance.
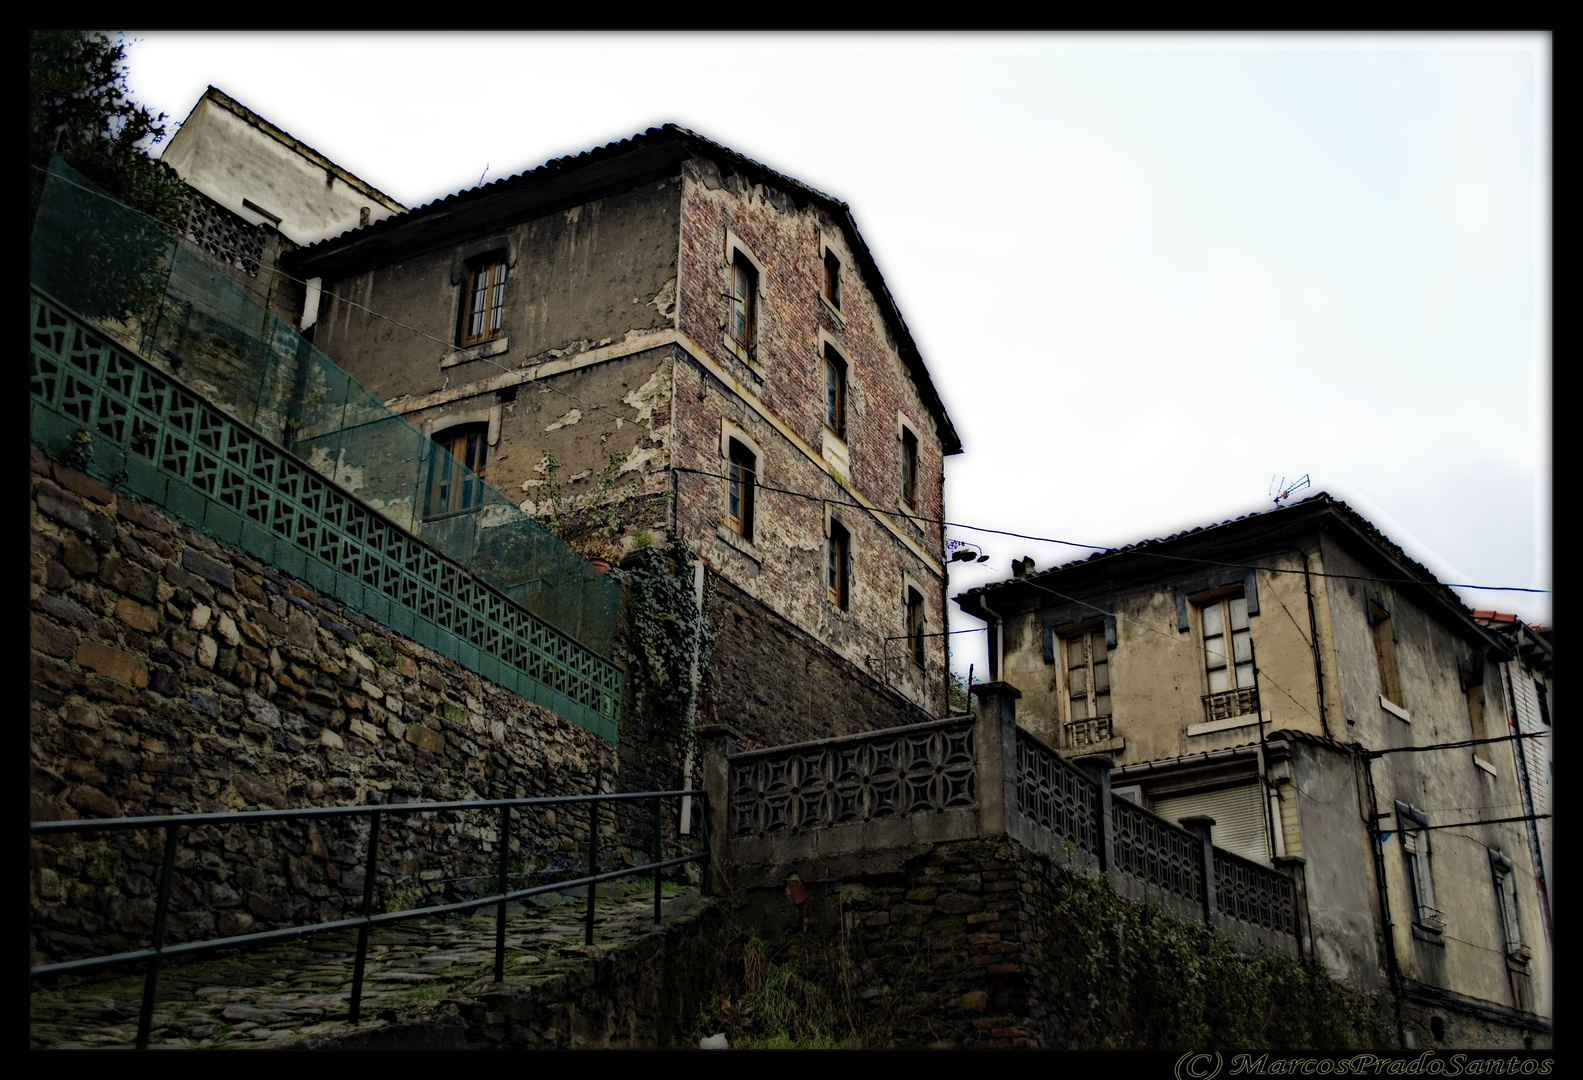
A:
(172, 824)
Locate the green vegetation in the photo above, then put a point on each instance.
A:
(1132, 975)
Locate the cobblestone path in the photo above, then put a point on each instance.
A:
(300, 992)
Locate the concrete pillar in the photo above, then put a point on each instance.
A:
(1099, 766)
(1200, 825)
(717, 742)
(995, 739)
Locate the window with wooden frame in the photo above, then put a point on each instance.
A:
(909, 467)
(1511, 927)
(456, 476)
(915, 625)
(1228, 657)
(838, 560)
(832, 278)
(834, 391)
(741, 469)
(484, 300)
(744, 299)
(1385, 653)
(1088, 716)
(1420, 874)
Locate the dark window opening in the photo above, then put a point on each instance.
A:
(909, 467)
(744, 289)
(484, 302)
(915, 625)
(834, 391)
(739, 499)
(456, 476)
(840, 550)
(832, 279)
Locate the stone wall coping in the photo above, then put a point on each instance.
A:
(841, 740)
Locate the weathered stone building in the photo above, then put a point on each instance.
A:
(1297, 678)
(662, 336)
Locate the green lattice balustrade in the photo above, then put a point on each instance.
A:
(164, 442)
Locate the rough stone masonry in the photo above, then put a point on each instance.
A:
(170, 675)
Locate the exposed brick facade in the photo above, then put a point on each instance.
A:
(613, 340)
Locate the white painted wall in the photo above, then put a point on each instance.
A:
(232, 157)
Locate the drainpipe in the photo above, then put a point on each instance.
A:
(997, 655)
(1387, 927)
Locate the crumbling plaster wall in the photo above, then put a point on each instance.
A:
(230, 158)
(784, 565)
(578, 279)
(1446, 784)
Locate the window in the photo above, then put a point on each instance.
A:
(909, 467)
(1475, 694)
(1506, 902)
(837, 557)
(484, 301)
(1415, 847)
(834, 391)
(832, 278)
(1087, 687)
(456, 476)
(739, 497)
(1228, 658)
(744, 292)
(915, 625)
(1385, 653)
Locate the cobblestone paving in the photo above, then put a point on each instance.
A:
(284, 994)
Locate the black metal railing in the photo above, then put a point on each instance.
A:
(173, 824)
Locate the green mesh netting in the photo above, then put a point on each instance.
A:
(115, 266)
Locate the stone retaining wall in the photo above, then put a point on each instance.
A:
(172, 675)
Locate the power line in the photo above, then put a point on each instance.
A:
(1456, 745)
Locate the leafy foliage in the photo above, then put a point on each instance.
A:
(78, 108)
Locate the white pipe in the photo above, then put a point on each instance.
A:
(310, 302)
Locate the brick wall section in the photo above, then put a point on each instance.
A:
(785, 238)
(170, 675)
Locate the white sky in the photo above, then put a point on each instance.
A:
(1146, 272)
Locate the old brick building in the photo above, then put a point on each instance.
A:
(664, 336)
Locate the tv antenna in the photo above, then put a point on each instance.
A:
(1281, 490)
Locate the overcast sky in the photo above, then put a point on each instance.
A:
(1147, 273)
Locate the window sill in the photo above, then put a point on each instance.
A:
(1430, 933)
(740, 543)
(833, 310)
(474, 352)
(1486, 766)
(737, 350)
(836, 454)
(1212, 726)
(1395, 710)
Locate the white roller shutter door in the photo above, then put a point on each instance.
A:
(1238, 813)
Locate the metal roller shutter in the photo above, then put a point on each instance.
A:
(1238, 813)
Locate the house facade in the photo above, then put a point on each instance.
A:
(661, 338)
(1297, 678)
